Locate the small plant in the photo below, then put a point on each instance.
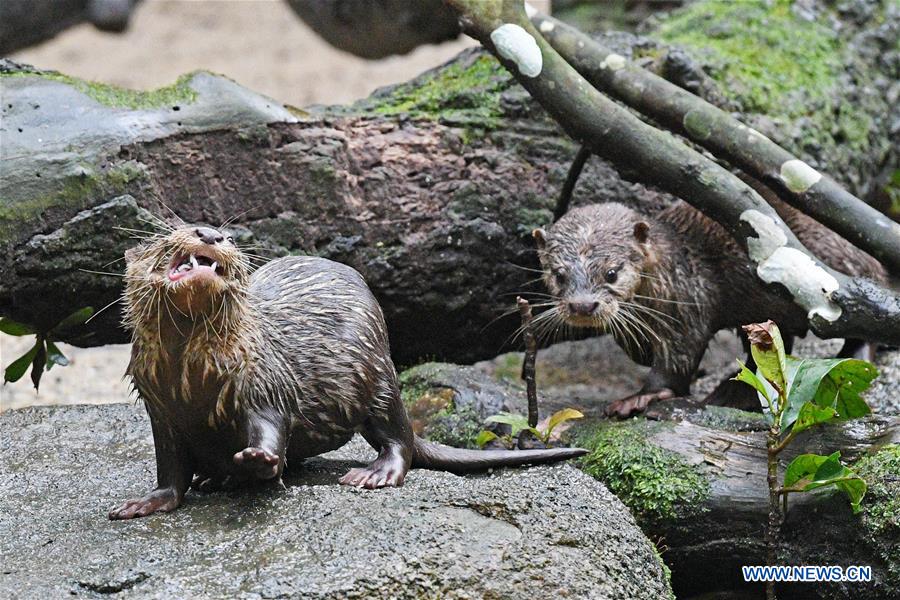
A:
(518, 423)
(44, 354)
(797, 394)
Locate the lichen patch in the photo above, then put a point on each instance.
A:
(799, 176)
(809, 284)
(514, 43)
(769, 238)
(613, 62)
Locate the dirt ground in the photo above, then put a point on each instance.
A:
(261, 44)
(258, 43)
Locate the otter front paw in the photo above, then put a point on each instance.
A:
(159, 500)
(261, 463)
(637, 403)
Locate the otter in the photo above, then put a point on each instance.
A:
(245, 373)
(663, 286)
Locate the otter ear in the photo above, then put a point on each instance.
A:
(540, 238)
(641, 231)
(132, 254)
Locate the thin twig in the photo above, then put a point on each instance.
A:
(529, 361)
(565, 197)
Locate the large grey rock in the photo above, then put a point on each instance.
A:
(539, 532)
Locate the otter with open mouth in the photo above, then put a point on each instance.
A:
(243, 374)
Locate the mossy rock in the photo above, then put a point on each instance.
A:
(655, 483)
(449, 403)
(795, 76)
(881, 505)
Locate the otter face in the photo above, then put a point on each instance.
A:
(593, 261)
(191, 269)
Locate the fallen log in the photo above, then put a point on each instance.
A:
(700, 489)
(429, 188)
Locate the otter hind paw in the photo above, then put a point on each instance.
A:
(388, 470)
(257, 461)
(637, 403)
(160, 500)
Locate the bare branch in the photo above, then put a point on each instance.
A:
(814, 193)
(837, 305)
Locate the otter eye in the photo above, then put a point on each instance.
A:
(560, 278)
(611, 276)
(230, 240)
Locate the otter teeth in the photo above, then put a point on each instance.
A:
(214, 265)
(194, 262)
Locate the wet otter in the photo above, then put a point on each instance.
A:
(664, 286)
(244, 373)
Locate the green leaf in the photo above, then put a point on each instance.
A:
(10, 327)
(516, 422)
(561, 416)
(55, 356)
(484, 437)
(831, 382)
(19, 366)
(813, 471)
(538, 434)
(38, 363)
(812, 414)
(855, 487)
(76, 318)
(747, 376)
(770, 357)
(803, 468)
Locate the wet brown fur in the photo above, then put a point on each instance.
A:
(675, 289)
(244, 373)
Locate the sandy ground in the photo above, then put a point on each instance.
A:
(258, 43)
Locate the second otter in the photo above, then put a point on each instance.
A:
(664, 286)
(242, 373)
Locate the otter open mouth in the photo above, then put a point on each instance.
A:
(192, 265)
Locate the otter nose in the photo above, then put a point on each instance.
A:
(209, 236)
(583, 308)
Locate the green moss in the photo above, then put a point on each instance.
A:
(432, 410)
(881, 505)
(459, 92)
(178, 93)
(656, 484)
(508, 367)
(76, 192)
(759, 51)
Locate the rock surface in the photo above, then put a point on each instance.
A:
(538, 532)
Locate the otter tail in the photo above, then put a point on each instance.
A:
(428, 455)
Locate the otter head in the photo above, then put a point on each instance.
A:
(187, 274)
(593, 260)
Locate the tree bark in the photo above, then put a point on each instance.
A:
(708, 543)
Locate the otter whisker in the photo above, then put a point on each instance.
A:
(109, 274)
(524, 268)
(665, 300)
(231, 220)
(91, 318)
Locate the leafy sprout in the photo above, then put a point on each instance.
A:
(800, 393)
(44, 354)
(519, 423)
